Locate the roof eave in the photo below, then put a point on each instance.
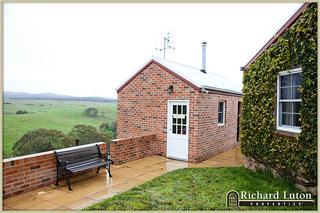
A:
(221, 90)
(280, 32)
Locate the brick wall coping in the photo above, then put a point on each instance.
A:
(48, 152)
(131, 138)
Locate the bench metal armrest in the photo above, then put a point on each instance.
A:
(62, 164)
(106, 157)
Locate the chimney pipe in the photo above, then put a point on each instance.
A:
(204, 46)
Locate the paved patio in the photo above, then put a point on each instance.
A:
(91, 188)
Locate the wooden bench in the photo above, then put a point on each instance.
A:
(80, 159)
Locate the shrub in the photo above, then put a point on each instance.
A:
(91, 112)
(87, 134)
(41, 140)
(113, 127)
(22, 112)
(104, 126)
(102, 113)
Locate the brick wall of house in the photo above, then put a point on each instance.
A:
(142, 109)
(30, 172)
(214, 138)
(128, 149)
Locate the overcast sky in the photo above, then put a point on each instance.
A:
(91, 49)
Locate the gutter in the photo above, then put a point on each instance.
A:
(207, 89)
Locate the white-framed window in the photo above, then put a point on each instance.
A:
(289, 100)
(221, 112)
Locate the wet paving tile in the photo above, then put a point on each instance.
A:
(80, 204)
(102, 195)
(49, 195)
(32, 203)
(145, 162)
(7, 208)
(25, 195)
(66, 198)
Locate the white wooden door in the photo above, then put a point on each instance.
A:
(178, 128)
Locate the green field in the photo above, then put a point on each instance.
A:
(50, 114)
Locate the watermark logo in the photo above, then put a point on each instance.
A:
(243, 198)
(232, 199)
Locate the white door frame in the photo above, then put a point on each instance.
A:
(169, 126)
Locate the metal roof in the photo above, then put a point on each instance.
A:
(193, 76)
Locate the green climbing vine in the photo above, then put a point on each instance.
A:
(297, 47)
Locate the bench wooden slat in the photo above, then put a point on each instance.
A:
(75, 159)
(73, 152)
(83, 163)
(85, 167)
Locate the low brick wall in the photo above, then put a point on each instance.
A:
(128, 149)
(30, 172)
(301, 183)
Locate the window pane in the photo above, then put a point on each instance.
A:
(184, 130)
(174, 109)
(220, 117)
(179, 120)
(174, 121)
(285, 93)
(174, 129)
(286, 119)
(296, 107)
(179, 109)
(296, 120)
(185, 109)
(285, 80)
(286, 107)
(220, 107)
(179, 129)
(296, 79)
(289, 111)
(184, 121)
(295, 93)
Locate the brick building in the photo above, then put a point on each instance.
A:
(193, 113)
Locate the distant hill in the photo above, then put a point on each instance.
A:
(52, 96)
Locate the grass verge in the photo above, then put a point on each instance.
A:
(198, 189)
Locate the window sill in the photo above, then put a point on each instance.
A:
(220, 124)
(288, 129)
(286, 134)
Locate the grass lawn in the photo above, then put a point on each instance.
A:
(197, 189)
(51, 114)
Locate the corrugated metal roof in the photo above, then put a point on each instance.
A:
(193, 76)
(209, 80)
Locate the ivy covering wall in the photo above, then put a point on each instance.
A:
(297, 154)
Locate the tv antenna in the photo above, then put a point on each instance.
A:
(166, 45)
